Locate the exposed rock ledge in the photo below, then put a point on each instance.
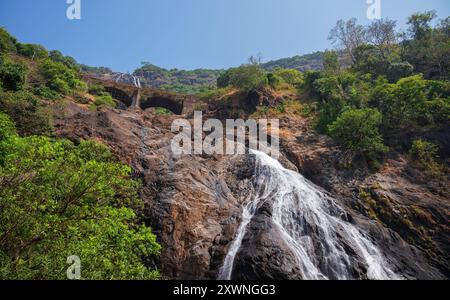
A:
(194, 203)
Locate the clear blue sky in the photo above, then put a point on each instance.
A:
(188, 34)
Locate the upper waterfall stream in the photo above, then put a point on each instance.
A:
(311, 223)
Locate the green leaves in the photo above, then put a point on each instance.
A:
(58, 200)
(7, 128)
(7, 42)
(245, 78)
(29, 114)
(60, 77)
(358, 130)
(426, 155)
(12, 75)
(104, 100)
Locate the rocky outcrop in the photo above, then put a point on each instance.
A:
(187, 200)
(406, 211)
(194, 203)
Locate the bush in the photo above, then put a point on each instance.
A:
(7, 127)
(33, 51)
(310, 82)
(96, 89)
(331, 63)
(7, 42)
(57, 56)
(223, 80)
(12, 75)
(358, 131)
(161, 111)
(104, 100)
(425, 153)
(274, 80)
(46, 92)
(396, 71)
(290, 76)
(439, 110)
(60, 77)
(245, 78)
(403, 104)
(28, 113)
(60, 200)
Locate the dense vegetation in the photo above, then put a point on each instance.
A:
(403, 84)
(204, 80)
(181, 81)
(381, 88)
(59, 199)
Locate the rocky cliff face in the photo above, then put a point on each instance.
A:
(194, 203)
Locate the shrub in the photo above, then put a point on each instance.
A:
(310, 82)
(12, 75)
(358, 131)
(104, 100)
(307, 110)
(245, 78)
(425, 153)
(396, 71)
(439, 110)
(7, 42)
(290, 76)
(274, 80)
(331, 63)
(32, 51)
(60, 77)
(223, 80)
(403, 104)
(57, 56)
(161, 111)
(46, 92)
(7, 127)
(96, 89)
(438, 89)
(28, 113)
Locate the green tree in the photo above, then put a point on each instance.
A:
(358, 131)
(406, 104)
(428, 48)
(12, 75)
(338, 92)
(59, 200)
(224, 78)
(331, 63)
(245, 78)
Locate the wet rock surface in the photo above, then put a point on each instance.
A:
(194, 203)
(406, 214)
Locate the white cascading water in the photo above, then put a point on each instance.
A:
(311, 223)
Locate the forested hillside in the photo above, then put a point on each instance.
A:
(364, 138)
(57, 197)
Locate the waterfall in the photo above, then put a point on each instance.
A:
(135, 80)
(311, 223)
